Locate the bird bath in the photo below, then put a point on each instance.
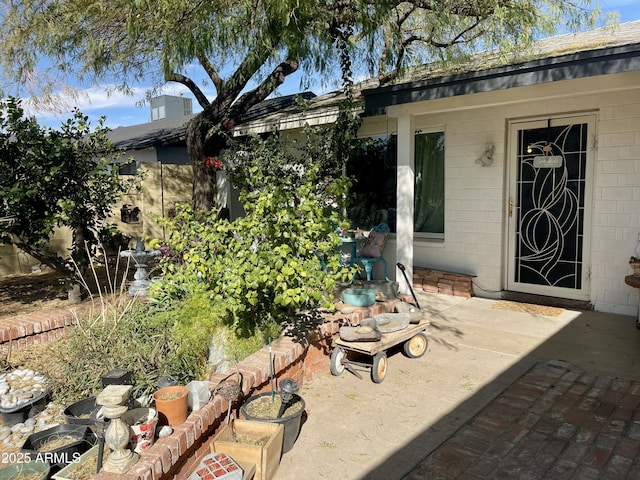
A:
(140, 286)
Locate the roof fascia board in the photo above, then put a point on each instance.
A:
(584, 64)
(543, 92)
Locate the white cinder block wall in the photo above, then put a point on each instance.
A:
(617, 200)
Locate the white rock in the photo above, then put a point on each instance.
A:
(165, 431)
(17, 427)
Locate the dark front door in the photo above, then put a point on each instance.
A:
(549, 207)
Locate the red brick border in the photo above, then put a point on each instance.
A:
(37, 327)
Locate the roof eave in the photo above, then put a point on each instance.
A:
(576, 65)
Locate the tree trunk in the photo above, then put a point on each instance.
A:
(204, 191)
(79, 249)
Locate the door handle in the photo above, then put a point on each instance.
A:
(510, 206)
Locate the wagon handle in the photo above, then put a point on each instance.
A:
(404, 274)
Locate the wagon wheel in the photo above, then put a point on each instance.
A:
(416, 346)
(379, 367)
(338, 357)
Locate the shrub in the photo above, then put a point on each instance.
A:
(263, 267)
(151, 342)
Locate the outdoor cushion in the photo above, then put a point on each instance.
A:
(374, 245)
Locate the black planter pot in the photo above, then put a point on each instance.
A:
(19, 413)
(79, 413)
(61, 456)
(291, 423)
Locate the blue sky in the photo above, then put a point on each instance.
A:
(121, 110)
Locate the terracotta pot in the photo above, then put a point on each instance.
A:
(172, 405)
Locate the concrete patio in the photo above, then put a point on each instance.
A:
(499, 394)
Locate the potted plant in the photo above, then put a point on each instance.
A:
(142, 422)
(172, 405)
(80, 412)
(83, 468)
(286, 409)
(63, 443)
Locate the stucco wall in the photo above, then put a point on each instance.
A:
(15, 261)
(161, 190)
(163, 187)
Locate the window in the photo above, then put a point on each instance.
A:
(372, 198)
(428, 215)
(374, 172)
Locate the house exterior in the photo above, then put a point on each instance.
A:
(158, 149)
(525, 176)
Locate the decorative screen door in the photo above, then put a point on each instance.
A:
(549, 206)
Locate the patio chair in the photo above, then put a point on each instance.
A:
(371, 251)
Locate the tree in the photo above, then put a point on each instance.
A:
(247, 48)
(55, 178)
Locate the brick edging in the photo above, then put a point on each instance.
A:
(446, 283)
(37, 327)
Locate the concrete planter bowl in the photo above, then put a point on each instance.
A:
(359, 297)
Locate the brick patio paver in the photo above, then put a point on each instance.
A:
(554, 422)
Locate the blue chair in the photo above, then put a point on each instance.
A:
(371, 251)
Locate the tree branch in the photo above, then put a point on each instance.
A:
(385, 78)
(249, 66)
(211, 72)
(262, 91)
(201, 98)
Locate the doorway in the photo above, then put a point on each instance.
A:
(549, 206)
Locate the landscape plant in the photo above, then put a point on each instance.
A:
(123, 333)
(53, 178)
(281, 256)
